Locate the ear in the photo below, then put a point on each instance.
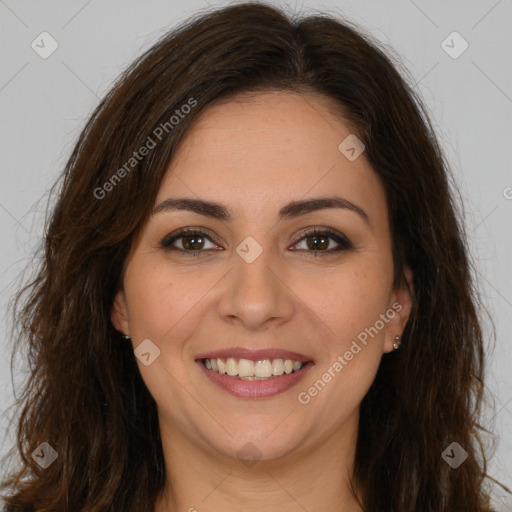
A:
(119, 313)
(399, 310)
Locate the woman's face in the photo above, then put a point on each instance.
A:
(255, 283)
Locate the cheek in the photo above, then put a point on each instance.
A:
(354, 314)
(161, 309)
(351, 349)
(161, 299)
(347, 301)
(150, 313)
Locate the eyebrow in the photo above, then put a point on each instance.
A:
(289, 211)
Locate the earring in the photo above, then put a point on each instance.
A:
(396, 344)
(124, 336)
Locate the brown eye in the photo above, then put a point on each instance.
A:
(319, 241)
(191, 242)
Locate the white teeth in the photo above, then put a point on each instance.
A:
(231, 367)
(246, 369)
(277, 367)
(263, 368)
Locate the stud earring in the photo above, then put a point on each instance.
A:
(396, 344)
(124, 336)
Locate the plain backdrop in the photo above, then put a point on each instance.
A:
(44, 103)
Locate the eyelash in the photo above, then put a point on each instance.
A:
(344, 243)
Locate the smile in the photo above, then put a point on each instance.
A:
(246, 369)
(253, 374)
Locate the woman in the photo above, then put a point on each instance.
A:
(255, 293)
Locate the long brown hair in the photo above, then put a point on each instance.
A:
(85, 396)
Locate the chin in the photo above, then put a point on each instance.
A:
(260, 441)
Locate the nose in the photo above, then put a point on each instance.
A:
(256, 294)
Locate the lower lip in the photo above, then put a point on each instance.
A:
(256, 388)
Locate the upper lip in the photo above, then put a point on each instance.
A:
(254, 354)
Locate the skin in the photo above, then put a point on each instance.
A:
(255, 154)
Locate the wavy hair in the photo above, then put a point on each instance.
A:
(84, 394)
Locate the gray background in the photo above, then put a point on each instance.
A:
(45, 102)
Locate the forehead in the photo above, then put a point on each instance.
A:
(273, 146)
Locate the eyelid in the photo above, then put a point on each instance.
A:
(171, 237)
(344, 243)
